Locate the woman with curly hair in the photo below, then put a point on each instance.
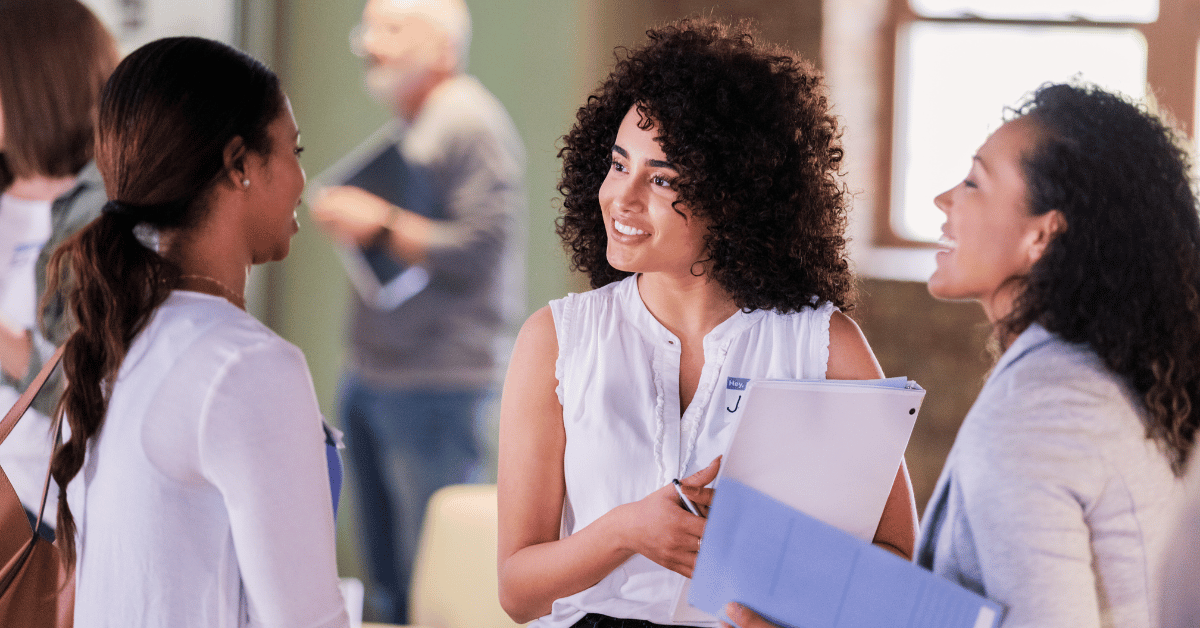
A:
(701, 197)
(1076, 229)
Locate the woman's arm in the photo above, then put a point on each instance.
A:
(1035, 471)
(850, 357)
(261, 444)
(535, 566)
(15, 347)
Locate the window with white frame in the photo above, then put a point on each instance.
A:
(958, 63)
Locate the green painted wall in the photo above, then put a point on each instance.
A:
(530, 53)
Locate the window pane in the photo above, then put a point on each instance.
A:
(954, 81)
(1096, 10)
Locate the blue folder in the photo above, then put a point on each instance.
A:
(799, 572)
(376, 166)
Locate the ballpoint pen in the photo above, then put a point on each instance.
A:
(686, 502)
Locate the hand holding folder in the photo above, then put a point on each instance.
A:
(375, 166)
(803, 486)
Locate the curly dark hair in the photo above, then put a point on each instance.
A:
(1124, 277)
(748, 127)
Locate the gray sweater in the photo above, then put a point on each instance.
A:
(1052, 501)
(463, 167)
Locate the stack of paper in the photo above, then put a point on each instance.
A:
(797, 571)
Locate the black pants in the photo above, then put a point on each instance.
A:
(596, 620)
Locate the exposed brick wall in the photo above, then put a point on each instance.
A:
(795, 24)
(943, 346)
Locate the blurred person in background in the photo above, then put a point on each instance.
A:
(54, 58)
(419, 372)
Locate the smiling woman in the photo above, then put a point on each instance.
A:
(647, 230)
(990, 238)
(281, 181)
(1077, 231)
(702, 198)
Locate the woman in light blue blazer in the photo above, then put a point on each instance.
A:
(1076, 229)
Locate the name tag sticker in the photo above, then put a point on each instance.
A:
(735, 387)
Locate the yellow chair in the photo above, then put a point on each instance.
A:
(454, 580)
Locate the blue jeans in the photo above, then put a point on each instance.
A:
(403, 445)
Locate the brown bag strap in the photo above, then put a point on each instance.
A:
(57, 429)
(35, 387)
(18, 410)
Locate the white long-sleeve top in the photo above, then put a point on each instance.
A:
(204, 500)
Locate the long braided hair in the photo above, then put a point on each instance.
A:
(166, 116)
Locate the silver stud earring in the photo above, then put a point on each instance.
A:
(245, 183)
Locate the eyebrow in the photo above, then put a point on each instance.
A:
(982, 163)
(657, 163)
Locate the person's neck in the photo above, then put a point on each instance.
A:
(204, 282)
(411, 108)
(997, 309)
(40, 188)
(207, 268)
(688, 307)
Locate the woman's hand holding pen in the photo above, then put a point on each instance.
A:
(660, 528)
(694, 487)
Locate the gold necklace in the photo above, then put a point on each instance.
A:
(229, 295)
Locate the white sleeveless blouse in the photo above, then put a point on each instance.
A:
(618, 374)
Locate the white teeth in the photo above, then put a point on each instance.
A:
(626, 229)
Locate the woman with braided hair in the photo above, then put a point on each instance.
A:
(196, 491)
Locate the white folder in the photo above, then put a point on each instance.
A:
(828, 448)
